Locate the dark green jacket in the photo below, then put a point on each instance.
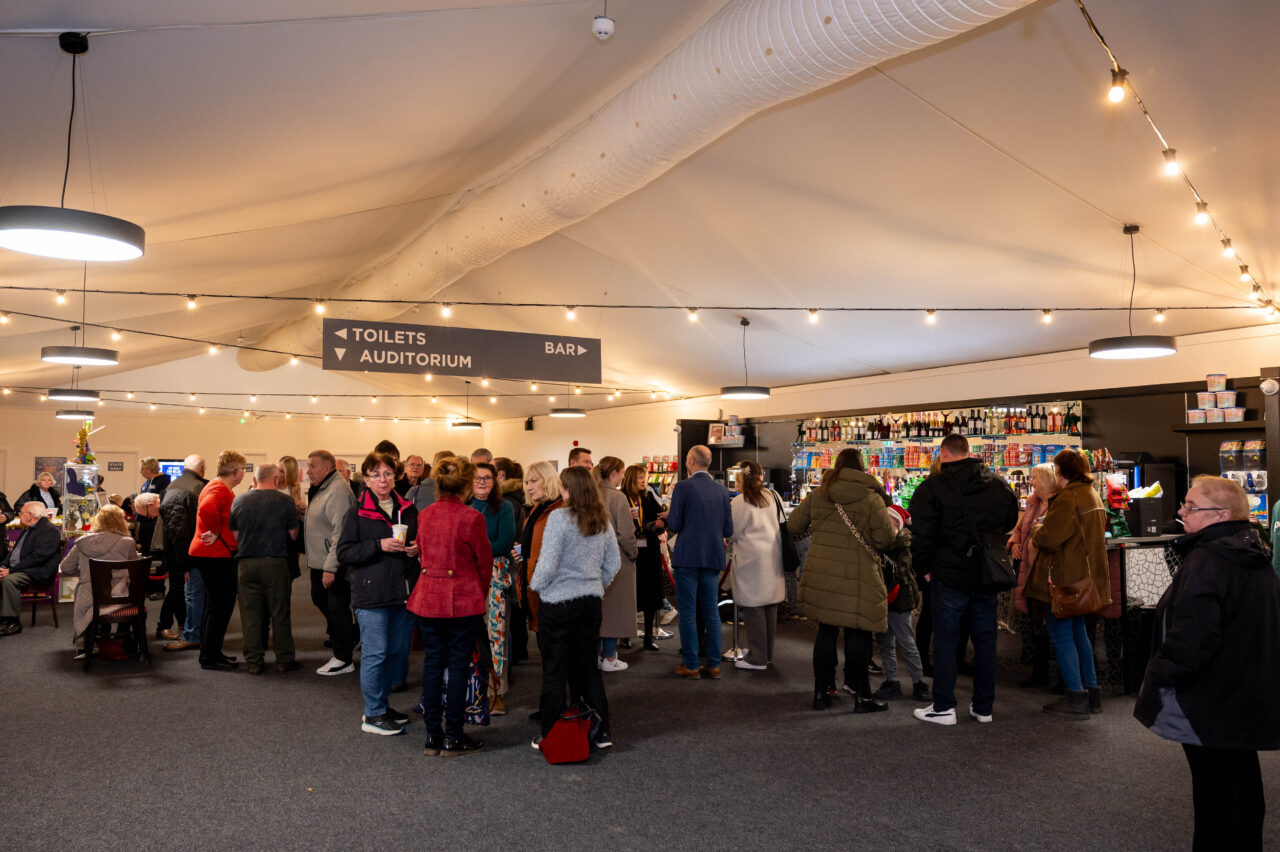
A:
(842, 584)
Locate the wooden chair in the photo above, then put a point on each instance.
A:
(133, 607)
(37, 594)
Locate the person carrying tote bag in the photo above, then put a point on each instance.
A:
(1073, 540)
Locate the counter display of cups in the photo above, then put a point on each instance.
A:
(1225, 399)
(1195, 415)
(1215, 382)
(1215, 415)
(1206, 399)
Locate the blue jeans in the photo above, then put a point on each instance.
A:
(448, 644)
(1074, 651)
(696, 592)
(950, 605)
(608, 648)
(193, 593)
(386, 633)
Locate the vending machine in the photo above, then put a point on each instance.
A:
(1246, 463)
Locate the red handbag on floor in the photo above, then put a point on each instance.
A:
(569, 740)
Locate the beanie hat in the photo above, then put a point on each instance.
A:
(902, 513)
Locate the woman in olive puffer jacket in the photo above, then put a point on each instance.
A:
(842, 584)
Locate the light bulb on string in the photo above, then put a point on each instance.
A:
(326, 418)
(1159, 314)
(570, 314)
(492, 399)
(213, 350)
(551, 399)
(288, 417)
(129, 395)
(191, 303)
(4, 318)
(1171, 166)
(577, 390)
(533, 386)
(693, 315)
(1116, 93)
(813, 315)
(1202, 213)
(1256, 294)
(293, 360)
(931, 316)
(61, 297)
(1227, 250)
(433, 399)
(428, 377)
(191, 397)
(1245, 277)
(115, 334)
(319, 307)
(1046, 316)
(313, 400)
(484, 383)
(446, 311)
(202, 411)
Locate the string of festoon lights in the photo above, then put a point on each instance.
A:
(449, 310)
(1122, 83)
(312, 406)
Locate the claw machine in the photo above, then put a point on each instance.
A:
(1246, 463)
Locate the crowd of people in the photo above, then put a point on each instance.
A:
(474, 553)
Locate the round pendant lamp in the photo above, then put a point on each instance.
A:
(74, 414)
(568, 412)
(746, 390)
(73, 395)
(65, 233)
(1132, 346)
(80, 356)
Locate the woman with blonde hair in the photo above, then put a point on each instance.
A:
(108, 539)
(1032, 597)
(542, 489)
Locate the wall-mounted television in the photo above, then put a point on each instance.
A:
(171, 467)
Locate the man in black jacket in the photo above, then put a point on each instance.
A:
(953, 514)
(265, 521)
(185, 601)
(33, 561)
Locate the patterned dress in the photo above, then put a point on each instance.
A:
(496, 619)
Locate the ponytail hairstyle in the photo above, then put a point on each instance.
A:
(608, 466)
(752, 487)
(849, 457)
(583, 500)
(453, 476)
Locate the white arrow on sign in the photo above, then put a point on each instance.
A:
(342, 332)
(581, 349)
(338, 352)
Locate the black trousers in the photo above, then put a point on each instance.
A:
(175, 602)
(924, 633)
(1226, 790)
(568, 634)
(447, 644)
(320, 597)
(342, 623)
(220, 587)
(857, 654)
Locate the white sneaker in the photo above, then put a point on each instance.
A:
(661, 634)
(937, 717)
(614, 665)
(978, 716)
(336, 667)
(743, 664)
(670, 615)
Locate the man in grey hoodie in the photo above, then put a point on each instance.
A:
(329, 500)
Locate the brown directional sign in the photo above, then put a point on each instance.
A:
(393, 347)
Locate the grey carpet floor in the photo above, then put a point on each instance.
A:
(178, 758)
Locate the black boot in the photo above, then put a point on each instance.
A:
(1074, 706)
(1095, 699)
(1058, 688)
(869, 704)
(821, 699)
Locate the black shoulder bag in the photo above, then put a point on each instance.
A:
(790, 553)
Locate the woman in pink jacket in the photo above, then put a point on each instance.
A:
(449, 599)
(1044, 482)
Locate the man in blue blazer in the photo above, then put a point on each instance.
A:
(701, 519)
(33, 560)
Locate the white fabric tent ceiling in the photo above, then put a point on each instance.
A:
(295, 158)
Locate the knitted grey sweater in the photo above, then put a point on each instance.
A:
(571, 565)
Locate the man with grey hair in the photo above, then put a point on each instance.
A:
(329, 500)
(154, 482)
(480, 454)
(701, 519)
(33, 561)
(265, 521)
(185, 601)
(146, 509)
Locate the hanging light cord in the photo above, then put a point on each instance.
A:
(746, 380)
(66, 170)
(1133, 262)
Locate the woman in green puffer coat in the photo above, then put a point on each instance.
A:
(842, 584)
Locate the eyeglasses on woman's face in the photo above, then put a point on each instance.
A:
(381, 474)
(484, 478)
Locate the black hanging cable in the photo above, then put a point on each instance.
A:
(746, 380)
(1133, 261)
(66, 170)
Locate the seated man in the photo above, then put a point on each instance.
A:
(33, 560)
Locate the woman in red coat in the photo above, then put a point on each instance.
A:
(214, 549)
(449, 598)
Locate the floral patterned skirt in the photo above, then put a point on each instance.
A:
(496, 618)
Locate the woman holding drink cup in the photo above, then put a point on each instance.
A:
(378, 544)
